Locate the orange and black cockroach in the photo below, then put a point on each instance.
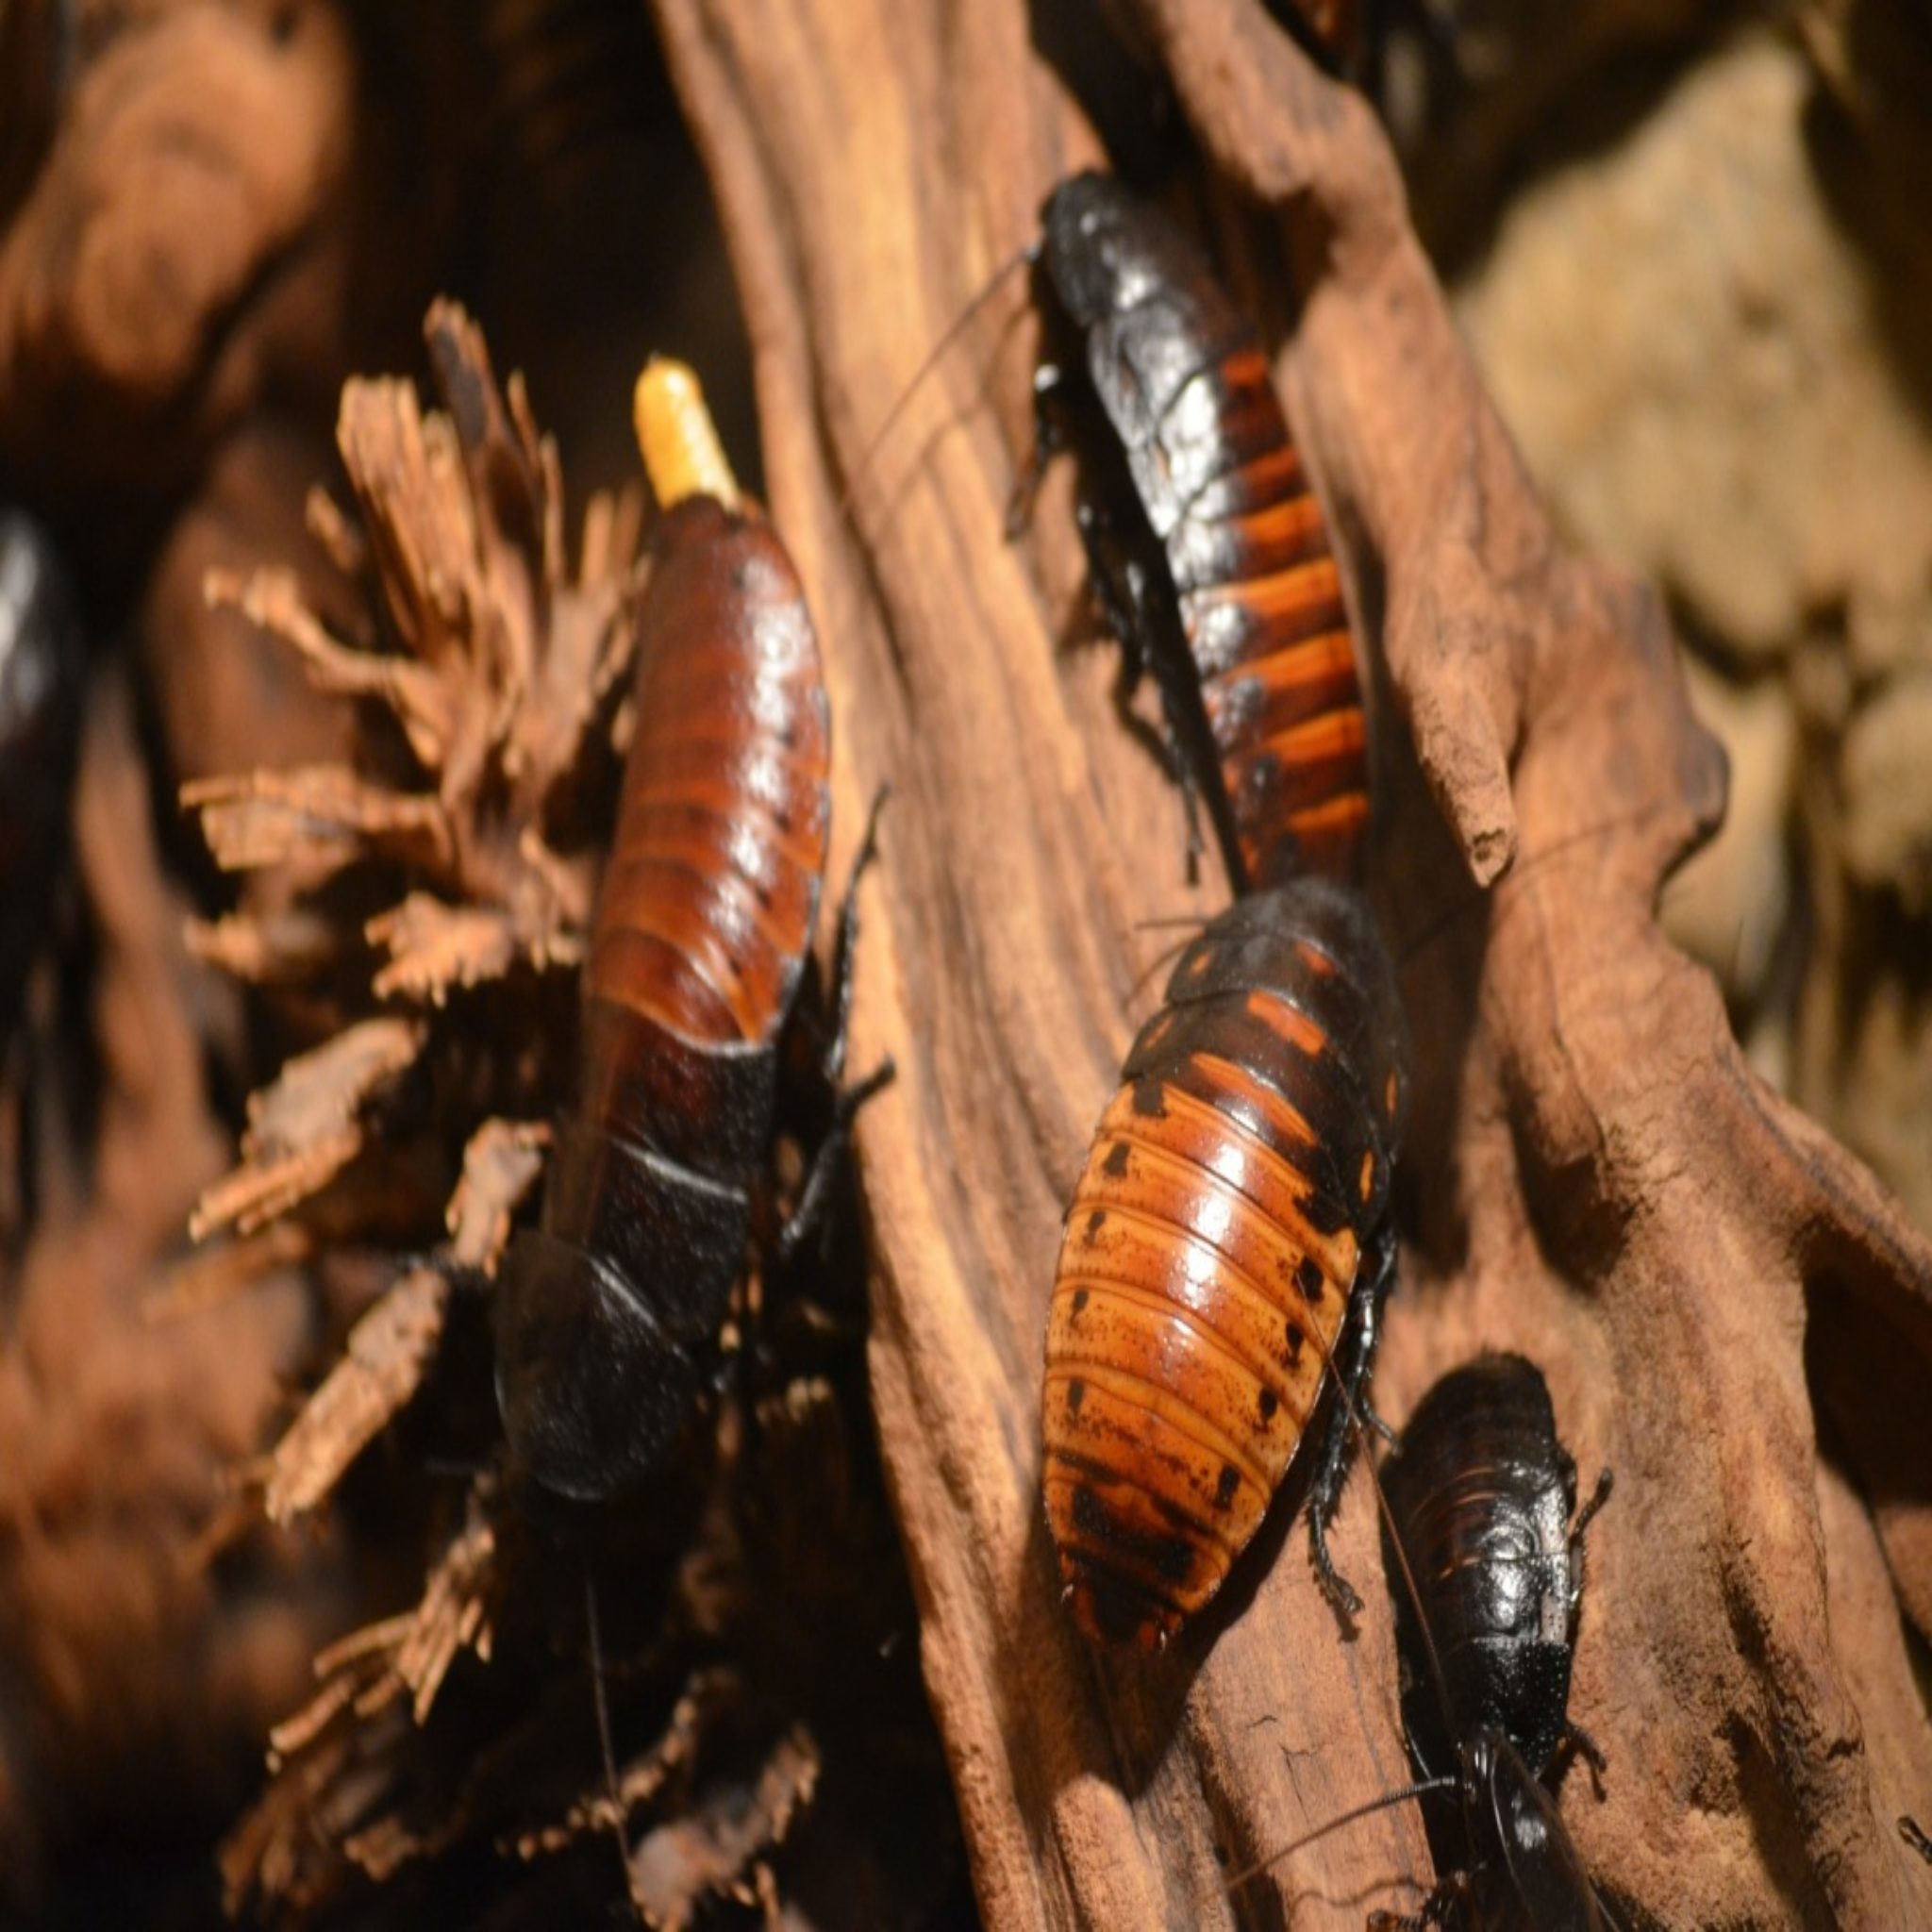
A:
(1208, 550)
(1483, 1550)
(1230, 1238)
(606, 1309)
(41, 672)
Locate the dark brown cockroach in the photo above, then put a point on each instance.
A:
(607, 1309)
(1488, 1583)
(1208, 550)
(41, 666)
(1229, 1237)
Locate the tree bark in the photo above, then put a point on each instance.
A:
(1594, 1175)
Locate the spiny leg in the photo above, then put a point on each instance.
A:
(1049, 439)
(847, 1101)
(1149, 633)
(1355, 1361)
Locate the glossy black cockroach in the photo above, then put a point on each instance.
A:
(41, 668)
(1483, 1547)
(1208, 550)
(605, 1309)
(1489, 1580)
(1230, 1235)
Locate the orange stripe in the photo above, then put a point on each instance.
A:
(1333, 735)
(1287, 1022)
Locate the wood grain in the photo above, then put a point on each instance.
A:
(1594, 1176)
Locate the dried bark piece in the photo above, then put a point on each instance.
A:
(379, 1370)
(1596, 1180)
(716, 1850)
(500, 1166)
(319, 818)
(303, 1128)
(391, 1346)
(640, 1781)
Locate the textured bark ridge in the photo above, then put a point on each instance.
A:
(1729, 1311)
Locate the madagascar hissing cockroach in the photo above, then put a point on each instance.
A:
(1230, 1236)
(41, 666)
(1208, 547)
(1484, 1555)
(605, 1309)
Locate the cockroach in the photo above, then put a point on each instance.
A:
(605, 1309)
(1483, 1548)
(41, 667)
(1484, 1530)
(1230, 1236)
(1208, 547)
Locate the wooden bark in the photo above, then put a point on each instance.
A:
(1594, 1176)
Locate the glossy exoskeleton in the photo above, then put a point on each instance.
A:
(1229, 1237)
(41, 667)
(606, 1309)
(1208, 550)
(1483, 1497)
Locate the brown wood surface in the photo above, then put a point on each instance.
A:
(1594, 1176)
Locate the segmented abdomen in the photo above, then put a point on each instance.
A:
(1261, 607)
(1210, 1250)
(712, 884)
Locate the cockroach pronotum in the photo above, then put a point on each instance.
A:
(41, 676)
(1208, 550)
(700, 935)
(1229, 1237)
(1482, 1496)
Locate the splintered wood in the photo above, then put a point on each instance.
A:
(498, 665)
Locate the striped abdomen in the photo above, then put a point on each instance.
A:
(1209, 1253)
(712, 885)
(1260, 604)
(700, 935)
(1207, 528)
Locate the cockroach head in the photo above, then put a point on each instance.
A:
(1104, 248)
